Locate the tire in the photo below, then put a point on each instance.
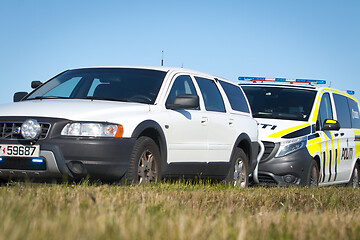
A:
(144, 164)
(238, 174)
(313, 175)
(354, 180)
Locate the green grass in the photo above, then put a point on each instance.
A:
(177, 211)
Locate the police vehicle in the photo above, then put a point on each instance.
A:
(131, 124)
(311, 134)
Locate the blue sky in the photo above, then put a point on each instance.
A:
(317, 39)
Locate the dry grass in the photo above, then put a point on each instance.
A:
(177, 211)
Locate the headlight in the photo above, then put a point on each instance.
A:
(93, 130)
(291, 146)
(30, 129)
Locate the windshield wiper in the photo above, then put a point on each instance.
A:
(102, 98)
(47, 97)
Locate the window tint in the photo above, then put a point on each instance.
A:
(65, 89)
(280, 102)
(182, 85)
(211, 95)
(118, 84)
(235, 96)
(325, 111)
(354, 112)
(342, 111)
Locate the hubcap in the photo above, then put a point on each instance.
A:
(355, 180)
(313, 177)
(146, 168)
(239, 174)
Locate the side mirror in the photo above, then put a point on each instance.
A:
(184, 101)
(18, 96)
(331, 125)
(35, 84)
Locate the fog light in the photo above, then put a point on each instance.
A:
(77, 167)
(289, 178)
(30, 129)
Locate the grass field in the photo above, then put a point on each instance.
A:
(177, 211)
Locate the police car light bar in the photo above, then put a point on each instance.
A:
(282, 80)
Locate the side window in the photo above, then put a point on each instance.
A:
(236, 97)
(342, 111)
(354, 112)
(211, 95)
(325, 111)
(182, 85)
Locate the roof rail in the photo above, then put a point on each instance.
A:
(282, 80)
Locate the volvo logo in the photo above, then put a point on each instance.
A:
(17, 130)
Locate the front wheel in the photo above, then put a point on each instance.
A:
(238, 174)
(313, 175)
(144, 162)
(354, 180)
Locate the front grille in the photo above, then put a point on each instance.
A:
(269, 147)
(11, 130)
(266, 179)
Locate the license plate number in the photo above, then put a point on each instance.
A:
(7, 150)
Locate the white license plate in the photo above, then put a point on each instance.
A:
(17, 150)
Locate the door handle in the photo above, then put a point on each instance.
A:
(231, 122)
(204, 120)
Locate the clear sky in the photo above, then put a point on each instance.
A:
(316, 39)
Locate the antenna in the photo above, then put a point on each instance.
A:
(162, 58)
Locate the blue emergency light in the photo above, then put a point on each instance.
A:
(283, 80)
(351, 92)
(37, 160)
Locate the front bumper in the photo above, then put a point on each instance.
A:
(72, 158)
(291, 169)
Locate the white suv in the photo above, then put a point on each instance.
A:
(134, 124)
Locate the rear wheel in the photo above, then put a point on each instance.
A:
(313, 175)
(239, 171)
(144, 162)
(354, 180)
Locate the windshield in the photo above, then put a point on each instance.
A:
(116, 84)
(280, 102)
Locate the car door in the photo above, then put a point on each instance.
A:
(329, 147)
(345, 136)
(220, 124)
(187, 141)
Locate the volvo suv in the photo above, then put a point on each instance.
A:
(129, 124)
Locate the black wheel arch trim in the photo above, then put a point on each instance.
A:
(151, 125)
(250, 149)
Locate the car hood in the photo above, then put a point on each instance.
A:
(275, 128)
(73, 109)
